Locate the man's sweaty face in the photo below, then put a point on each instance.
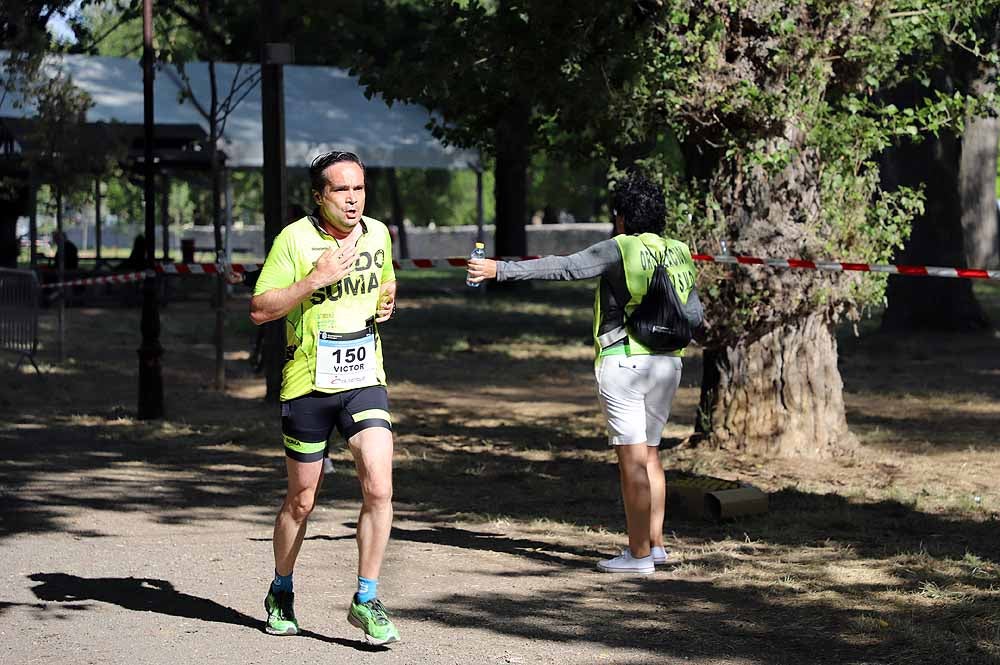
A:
(343, 198)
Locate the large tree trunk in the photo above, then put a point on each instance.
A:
(978, 166)
(775, 389)
(780, 394)
(931, 303)
(511, 185)
(977, 191)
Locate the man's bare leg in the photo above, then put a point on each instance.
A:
(304, 480)
(372, 450)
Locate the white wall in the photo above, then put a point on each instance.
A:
(423, 242)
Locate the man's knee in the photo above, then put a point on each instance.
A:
(377, 492)
(299, 506)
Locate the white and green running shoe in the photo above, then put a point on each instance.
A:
(280, 613)
(371, 618)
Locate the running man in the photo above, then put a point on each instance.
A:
(330, 275)
(636, 387)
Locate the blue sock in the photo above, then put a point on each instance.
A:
(367, 589)
(282, 582)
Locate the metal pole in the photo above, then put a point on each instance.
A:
(97, 221)
(33, 221)
(480, 234)
(150, 374)
(60, 277)
(227, 191)
(165, 214)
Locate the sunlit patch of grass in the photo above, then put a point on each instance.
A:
(901, 496)
(89, 420)
(969, 503)
(934, 591)
(870, 624)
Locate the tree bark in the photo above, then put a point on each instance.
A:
(770, 381)
(931, 303)
(778, 395)
(978, 194)
(275, 182)
(511, 184)
(216, 175)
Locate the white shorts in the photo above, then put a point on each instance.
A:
(636, 393)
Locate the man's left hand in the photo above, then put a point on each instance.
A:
(386, 302)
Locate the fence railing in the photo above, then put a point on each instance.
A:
(19, 296)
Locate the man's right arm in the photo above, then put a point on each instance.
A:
(330, 268)
(276, 303)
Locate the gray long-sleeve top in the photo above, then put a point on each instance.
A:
(602, 259)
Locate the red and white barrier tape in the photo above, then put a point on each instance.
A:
(204, 268)
(840, 266)
(163, 268)
(119, 278)
(460, 262)
(801, 264)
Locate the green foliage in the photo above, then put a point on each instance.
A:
(557, 183)
(60, 148)
(777, 108)
(477, 63)
(444, 198)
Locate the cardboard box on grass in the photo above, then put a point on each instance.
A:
(692, 497)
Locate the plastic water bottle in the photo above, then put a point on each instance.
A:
(478, 253)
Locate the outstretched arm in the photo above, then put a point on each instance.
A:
(590, 262)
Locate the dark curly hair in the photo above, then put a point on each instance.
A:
(317, 169)
(641, 203)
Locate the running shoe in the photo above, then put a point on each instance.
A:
(371, 618)
(280, 613)
(626, 563)
(660, 555)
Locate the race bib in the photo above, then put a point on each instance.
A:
(346, 360)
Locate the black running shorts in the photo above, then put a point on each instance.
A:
(308, 421)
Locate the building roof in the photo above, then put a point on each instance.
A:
(325, 109)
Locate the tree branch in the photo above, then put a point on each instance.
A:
(203, 27)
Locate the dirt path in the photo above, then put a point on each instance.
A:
(132, 542)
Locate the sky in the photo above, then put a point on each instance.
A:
(58, 25)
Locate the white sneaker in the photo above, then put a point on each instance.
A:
(626, 563)
(660, 555)
(327, 466)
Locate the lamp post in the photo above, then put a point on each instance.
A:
(150, 374)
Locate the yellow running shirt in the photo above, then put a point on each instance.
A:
(336, 323)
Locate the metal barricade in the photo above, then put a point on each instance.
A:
(19, 295)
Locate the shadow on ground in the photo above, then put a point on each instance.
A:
(77, 449)
(76, 593)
